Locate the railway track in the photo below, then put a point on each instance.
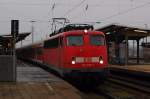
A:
(108, 91)
(124, 87)
(135, 80)
(142, 86)
(115, 88)
(113, 91)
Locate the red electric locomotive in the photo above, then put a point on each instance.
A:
(75, 50)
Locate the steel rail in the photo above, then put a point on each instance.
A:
(137, 85)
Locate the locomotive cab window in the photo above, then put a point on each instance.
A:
(75, 40)
(97, 40)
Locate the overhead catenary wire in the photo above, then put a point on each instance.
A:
(87, 7)
(104, 19)
(121, 12)
(126, 11)
(47, 3)
(75, 7)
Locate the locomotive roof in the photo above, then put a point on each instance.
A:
(71, 27)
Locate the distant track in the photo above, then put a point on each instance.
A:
(132, 83)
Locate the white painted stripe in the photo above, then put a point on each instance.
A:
(49, 87)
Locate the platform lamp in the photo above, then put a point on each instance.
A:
(32, 30)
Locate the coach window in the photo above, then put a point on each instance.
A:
(74, 40)
(97, 40)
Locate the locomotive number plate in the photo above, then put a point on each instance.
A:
(87, 59)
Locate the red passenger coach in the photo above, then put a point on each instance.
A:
(75, 52)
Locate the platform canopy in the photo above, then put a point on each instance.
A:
(118, 33)
(7, 39)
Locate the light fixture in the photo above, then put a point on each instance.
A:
(85, 31)
(108, 33)
(140, 31)
(73, 62)
(101, 61)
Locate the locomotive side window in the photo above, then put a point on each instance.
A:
(39, 50)
(61, 41)
(53, 43)
(74, 40)
(97, 40)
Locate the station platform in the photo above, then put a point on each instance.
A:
(35, 83)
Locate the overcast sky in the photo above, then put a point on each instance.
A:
(125, 12)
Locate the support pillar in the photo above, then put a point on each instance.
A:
(126, 50)
(138, 60)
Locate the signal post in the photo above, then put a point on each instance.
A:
(14, 33)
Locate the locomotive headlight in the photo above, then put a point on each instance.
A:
(73, 60)
(101, 60)
(85, 31)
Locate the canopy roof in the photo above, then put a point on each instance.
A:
(115, 32)
(6, 39)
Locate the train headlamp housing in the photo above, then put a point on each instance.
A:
(73, 60)
(101, 60)
(85, 31)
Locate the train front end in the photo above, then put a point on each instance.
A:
(85, 54)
